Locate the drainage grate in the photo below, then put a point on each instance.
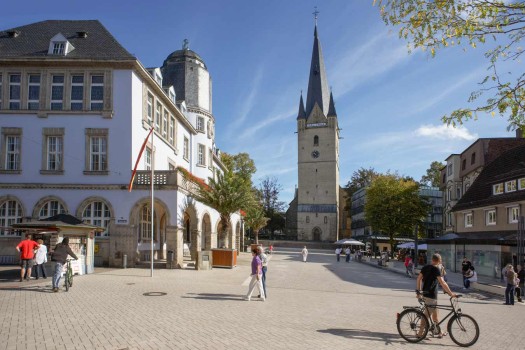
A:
(154, 294)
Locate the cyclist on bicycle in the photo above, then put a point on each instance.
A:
(62, 250)
(427, 282)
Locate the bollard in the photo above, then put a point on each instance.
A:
(124, 261)
(170, 259)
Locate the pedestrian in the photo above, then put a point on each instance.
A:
(41, 259)
(347, 254)
(264, 262)
(511, 284)
(517, 284)
(59, 256)
(304, 253)
(469, 277)
(521, 276)
(408, 266)
(465, 267)
(26, 248)
(271, 248)
(338, 253)
(427, 282)
(256, 277)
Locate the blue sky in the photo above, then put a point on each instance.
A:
(389, 102)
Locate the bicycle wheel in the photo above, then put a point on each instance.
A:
(412, 325)
(66, 282)
(71, 279)
(463, 330)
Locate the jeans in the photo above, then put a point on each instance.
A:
(347, 257)
(39, 268)
(509, 294)
(58, 274)
(466, 283)
(264, 268)
(338, 257)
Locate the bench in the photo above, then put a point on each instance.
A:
(489, 288)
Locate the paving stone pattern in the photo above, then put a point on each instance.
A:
(321, 304)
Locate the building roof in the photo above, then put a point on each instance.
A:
(185, 53)
(331, 109)
(32, 41)
(301, 114)
(317, 84)
(508, 166)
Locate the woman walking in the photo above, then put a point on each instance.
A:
(304, 253)
(41, 259)
(256, 277)
(511, 284)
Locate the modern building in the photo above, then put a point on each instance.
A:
(487, 216)
(317, 197)
(462, 169)
(75, 109)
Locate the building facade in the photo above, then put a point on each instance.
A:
(317, 196)
(75, 108)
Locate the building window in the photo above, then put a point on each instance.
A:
(444, 180)
(171, 165)
(186, 148)
(54, 152)
(449, 170)
(165, 124)
(172, 132)
(458, 193)
(57, 92)
(33, 91)
(449, 195)
(147, 159)
(463, 164)
(200, 124)
(201, 155)
(150, 110)
(14, 91)
(326, 219)
(521, 184)
(514, 214)
(473, 158)
(158, 114)
(0, 91)
(510, 186)
(97, 92)
(316, 140)
(51, 208)
(97, 162)
(491, 217)
(468, 220)
(307, 219)
(59, 48)
(145, 223)
(497, 189)
(449, 218)
(97, 214)
(12, 152)
(467, 185)
(77, 92)
(10, 213)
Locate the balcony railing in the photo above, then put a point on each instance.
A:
(164, 180)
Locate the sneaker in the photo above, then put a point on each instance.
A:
(247, 298)
(21, 280)
(55, 290)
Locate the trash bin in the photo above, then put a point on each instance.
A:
(170, 259)
(124, 261)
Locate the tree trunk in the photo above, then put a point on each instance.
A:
(223, 237)
(256, 234)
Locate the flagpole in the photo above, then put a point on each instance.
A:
(152, 200)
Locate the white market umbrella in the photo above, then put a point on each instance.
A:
(349, 241)
(407, 245)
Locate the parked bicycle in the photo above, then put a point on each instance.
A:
(413, 324)
(68, 276)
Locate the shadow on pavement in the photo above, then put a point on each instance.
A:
(362, 334)
(39, 289)
(214, 296)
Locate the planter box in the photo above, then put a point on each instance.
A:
(224, 258)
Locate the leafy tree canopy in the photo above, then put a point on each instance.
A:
(360, 178)
(255, 219)
(434, 25)
(393, 205)
(240, 164)
(433, 175)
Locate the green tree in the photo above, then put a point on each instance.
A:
(269, 190)
(227, 194)
(434, 25)
(240, 164)
(360, 178)
(393, 206)
(433, 175)
(255, 220)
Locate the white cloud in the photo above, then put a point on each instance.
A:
(445, 132)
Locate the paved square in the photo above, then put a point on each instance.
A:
(320, 304)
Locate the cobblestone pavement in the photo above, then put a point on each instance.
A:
(320, 304)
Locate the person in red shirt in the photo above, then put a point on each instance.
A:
(26, 248)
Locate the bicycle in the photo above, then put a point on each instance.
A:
(68, 276)
(413, 324)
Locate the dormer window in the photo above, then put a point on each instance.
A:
(59, 48)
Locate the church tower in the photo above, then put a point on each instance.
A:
(318, 156)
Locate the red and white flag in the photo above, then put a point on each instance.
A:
(137, 161)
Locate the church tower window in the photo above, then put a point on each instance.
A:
(316, 140)
(307, 219)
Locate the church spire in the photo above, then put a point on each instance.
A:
(301, 114)
(331, 109)
(317, 84)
